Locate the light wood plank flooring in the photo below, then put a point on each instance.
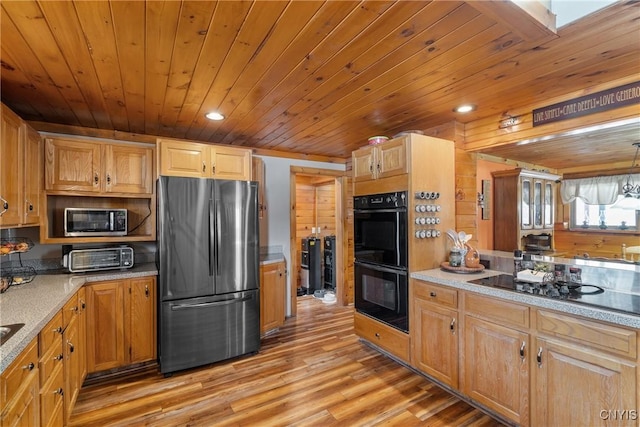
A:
(313, 372)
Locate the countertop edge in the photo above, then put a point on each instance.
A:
(460, 281)
(11, 349)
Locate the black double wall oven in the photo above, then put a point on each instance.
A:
(381, 253)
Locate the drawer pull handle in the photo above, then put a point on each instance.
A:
(452, 326)
(58, 329)
(83, 304)
(108, 179)
(71, 347)
(29, 205)
(96, 179)
(59, 391)
(204, 167)
(58, 357)
(371, 167)
(29, 367)
(433, 294)
(522, 350)
(539, 357)
(146, 291)
(213, 169)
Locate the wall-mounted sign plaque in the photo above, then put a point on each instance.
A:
(609, 99)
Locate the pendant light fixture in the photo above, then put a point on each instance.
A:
(631, 192)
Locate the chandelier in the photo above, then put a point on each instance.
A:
(631, 191)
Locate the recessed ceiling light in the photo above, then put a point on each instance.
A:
(465, 108)
(214, 115)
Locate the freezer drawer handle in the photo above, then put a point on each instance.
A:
(209, 304)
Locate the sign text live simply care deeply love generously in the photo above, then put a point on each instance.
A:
(609, 99)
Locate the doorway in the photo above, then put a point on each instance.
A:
(319, 208)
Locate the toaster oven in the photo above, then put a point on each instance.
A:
(81, 260)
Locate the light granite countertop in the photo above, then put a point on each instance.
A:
(271, 258)
(35, 303)
(461, 281)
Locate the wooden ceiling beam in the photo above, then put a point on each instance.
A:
(530, 19)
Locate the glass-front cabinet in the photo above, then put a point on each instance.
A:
(524, 202)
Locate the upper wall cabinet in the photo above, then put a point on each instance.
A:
(74, 165)
(98, 174)
(20, 172)
(380, 160)
(191, 159)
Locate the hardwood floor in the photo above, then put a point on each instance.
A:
(313, 372)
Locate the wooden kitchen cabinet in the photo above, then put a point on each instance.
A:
(52, 380)
(434, 331)
(381, 160)
(19, 390)
(496, 356)
(272, 296)
(20, 172)
(121, 323)
(386, 337)
(583, 367)
(74, 350)
(191, 159)
(527, 204)
(76, 165)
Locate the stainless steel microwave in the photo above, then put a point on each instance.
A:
(95, 222)
(80, 260)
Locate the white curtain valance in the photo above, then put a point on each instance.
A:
(599, 190)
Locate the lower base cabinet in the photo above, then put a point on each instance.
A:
(272, 296)
(121, 323)
(19, 390)
(387, 338)
(496, 369)
(532, 366)
(576, 386)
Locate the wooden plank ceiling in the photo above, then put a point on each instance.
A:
(309, 77)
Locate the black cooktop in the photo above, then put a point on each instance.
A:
(581, 294)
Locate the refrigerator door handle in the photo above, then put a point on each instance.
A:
(209, 304)
(212, 254)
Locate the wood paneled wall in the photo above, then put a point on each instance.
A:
(465, 172)
(315, 207)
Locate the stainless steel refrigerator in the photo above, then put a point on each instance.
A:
(208, 271)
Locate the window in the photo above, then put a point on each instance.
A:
(602, 217)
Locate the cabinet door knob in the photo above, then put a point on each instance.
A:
(539, 357)
(71, 347)
(5, 205)
(29, 205)
(452, 325)
(59, 391)
(83, 304)
(58, 357)
(371, 167)
(204, 167)
(29, 367)
(522, 350)
(377, 335)
(432, 294)
(57, 330)
(213, 169)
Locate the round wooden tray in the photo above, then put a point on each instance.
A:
(462, 270)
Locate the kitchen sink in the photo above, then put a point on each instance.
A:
(7, 331)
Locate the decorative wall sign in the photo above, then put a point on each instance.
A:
(609, 99)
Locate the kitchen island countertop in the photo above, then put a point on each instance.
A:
(35, 303)
(461, 281)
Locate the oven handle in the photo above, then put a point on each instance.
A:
(376, 267)
(396, 210)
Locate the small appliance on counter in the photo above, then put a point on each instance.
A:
(83, 260)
